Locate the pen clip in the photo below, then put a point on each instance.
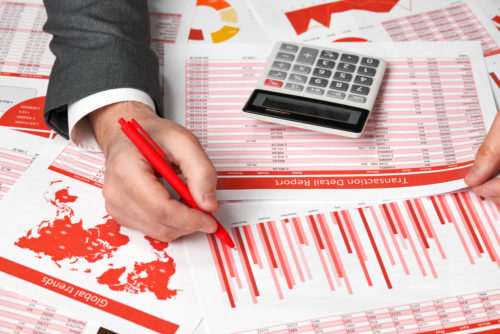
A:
(145, 135)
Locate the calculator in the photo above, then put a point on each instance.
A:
(317, 88)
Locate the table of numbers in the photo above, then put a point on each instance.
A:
(427, 118)
(13, 163)
(456, 23)
(464, 312)
(24, 47)
(21, 314)
(81, 165)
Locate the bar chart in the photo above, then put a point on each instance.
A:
(406, 235)
(437, 253)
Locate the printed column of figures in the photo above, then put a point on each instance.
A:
(13, 163)
(80, 165)
(446, 315)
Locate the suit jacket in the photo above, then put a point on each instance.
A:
(99, 45)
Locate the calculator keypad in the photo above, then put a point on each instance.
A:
(307, 56)
(341, 76)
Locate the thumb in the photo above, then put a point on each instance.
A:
(487, 162)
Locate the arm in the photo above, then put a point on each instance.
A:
(101, 45)
(487, 166)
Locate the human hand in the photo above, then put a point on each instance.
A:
(133, 193)
(487, 166)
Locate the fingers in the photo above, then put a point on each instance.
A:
(135, 198)
(186, 152)
(133, 193)
(489, 190)
(487, 162)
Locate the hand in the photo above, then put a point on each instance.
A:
(132, 190)
(487, 165)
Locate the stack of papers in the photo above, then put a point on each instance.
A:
(371, 235)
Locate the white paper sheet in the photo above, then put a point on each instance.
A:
(308, 20)
(223, 21)
(18, 151)
(20, 313)
(458, 20)
(420, 265)
(426, 114)
(58, 238)
(21, 101)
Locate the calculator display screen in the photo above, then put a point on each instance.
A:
(307, 110)
(314, 109)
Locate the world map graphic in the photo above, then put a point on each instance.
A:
(71, 246)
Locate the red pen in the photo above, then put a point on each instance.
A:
(152, 152)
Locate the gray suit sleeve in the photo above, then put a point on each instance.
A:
(99, 45)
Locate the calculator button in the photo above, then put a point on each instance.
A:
(337, 85)
(346, 67)
(324, 63)
(349, 58)
(302, 69)
(273, 83)
(321, 72)
(359, 79)
(298, 78)
(335, 95)
(362, 90)
(315, 90)
(329, 55)
(318, 82)
(356, 98)
(277, 74)
(366, 71)
(281, 65)
(295, 87)
(369, 62)
(289, 48)
(342, 76)
(307, 56)
(285, 56)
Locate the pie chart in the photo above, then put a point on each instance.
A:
(218, 21)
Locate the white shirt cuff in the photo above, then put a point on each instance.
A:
(81, 132)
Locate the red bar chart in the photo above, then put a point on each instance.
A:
(380, 246)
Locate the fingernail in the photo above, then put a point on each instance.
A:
(209, 198)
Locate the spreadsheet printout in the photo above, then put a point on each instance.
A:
(427, 265)
(24, 46)
(18, 151)
(308, 20)
(22, 314)
(432, 113)
(458, 21)
(26, 60)
(66, 249)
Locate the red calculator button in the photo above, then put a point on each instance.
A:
(273, 83)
